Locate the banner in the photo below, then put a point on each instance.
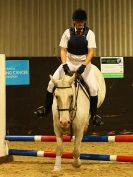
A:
(112, 67)
(17, 72)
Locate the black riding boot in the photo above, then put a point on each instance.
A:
(43, 111)
(96, 119)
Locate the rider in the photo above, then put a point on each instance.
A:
(77, 50)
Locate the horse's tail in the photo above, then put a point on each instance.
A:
(101, 85)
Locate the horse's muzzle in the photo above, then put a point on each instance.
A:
(64, 124)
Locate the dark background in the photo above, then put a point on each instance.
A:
(117, 109)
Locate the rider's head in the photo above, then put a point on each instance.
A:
(79, 18)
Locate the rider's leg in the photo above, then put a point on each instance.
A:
(90, 79)
(43, 111)
(93, 105)
(95, 118)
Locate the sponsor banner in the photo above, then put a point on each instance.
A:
(112, 67)
(17, 72)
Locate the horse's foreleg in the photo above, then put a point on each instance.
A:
(76, 151)
(59, 151)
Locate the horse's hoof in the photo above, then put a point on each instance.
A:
(76, 163)
(56, 169)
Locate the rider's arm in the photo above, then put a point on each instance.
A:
(63, 55)
(91, 47)
(89, 56)
(63, 45)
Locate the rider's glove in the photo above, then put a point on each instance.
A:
(66, 69)
(81, 69)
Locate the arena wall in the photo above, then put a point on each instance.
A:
(22, 100)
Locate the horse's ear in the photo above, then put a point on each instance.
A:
(52, 79)
(72, 79)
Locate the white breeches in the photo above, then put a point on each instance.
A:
(88, 76)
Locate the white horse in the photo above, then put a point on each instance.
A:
(71, 108)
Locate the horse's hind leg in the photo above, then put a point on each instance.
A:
(59, 151)
(76, 151)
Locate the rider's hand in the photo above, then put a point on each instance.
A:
(66, 69)
(81, 69)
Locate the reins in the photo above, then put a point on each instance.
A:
(73, 105)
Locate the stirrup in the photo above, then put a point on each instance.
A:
(40, 112)
(97, 120)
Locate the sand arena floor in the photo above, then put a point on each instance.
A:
(42, 167)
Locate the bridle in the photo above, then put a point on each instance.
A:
(74, 108)
(73, 104)
(65, 109)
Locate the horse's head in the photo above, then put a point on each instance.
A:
(64, 97)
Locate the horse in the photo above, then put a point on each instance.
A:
(71, 111)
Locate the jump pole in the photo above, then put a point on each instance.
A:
(69, 155)
(3, 145)
(117, 138)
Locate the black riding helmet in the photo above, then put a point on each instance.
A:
(79, 15)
